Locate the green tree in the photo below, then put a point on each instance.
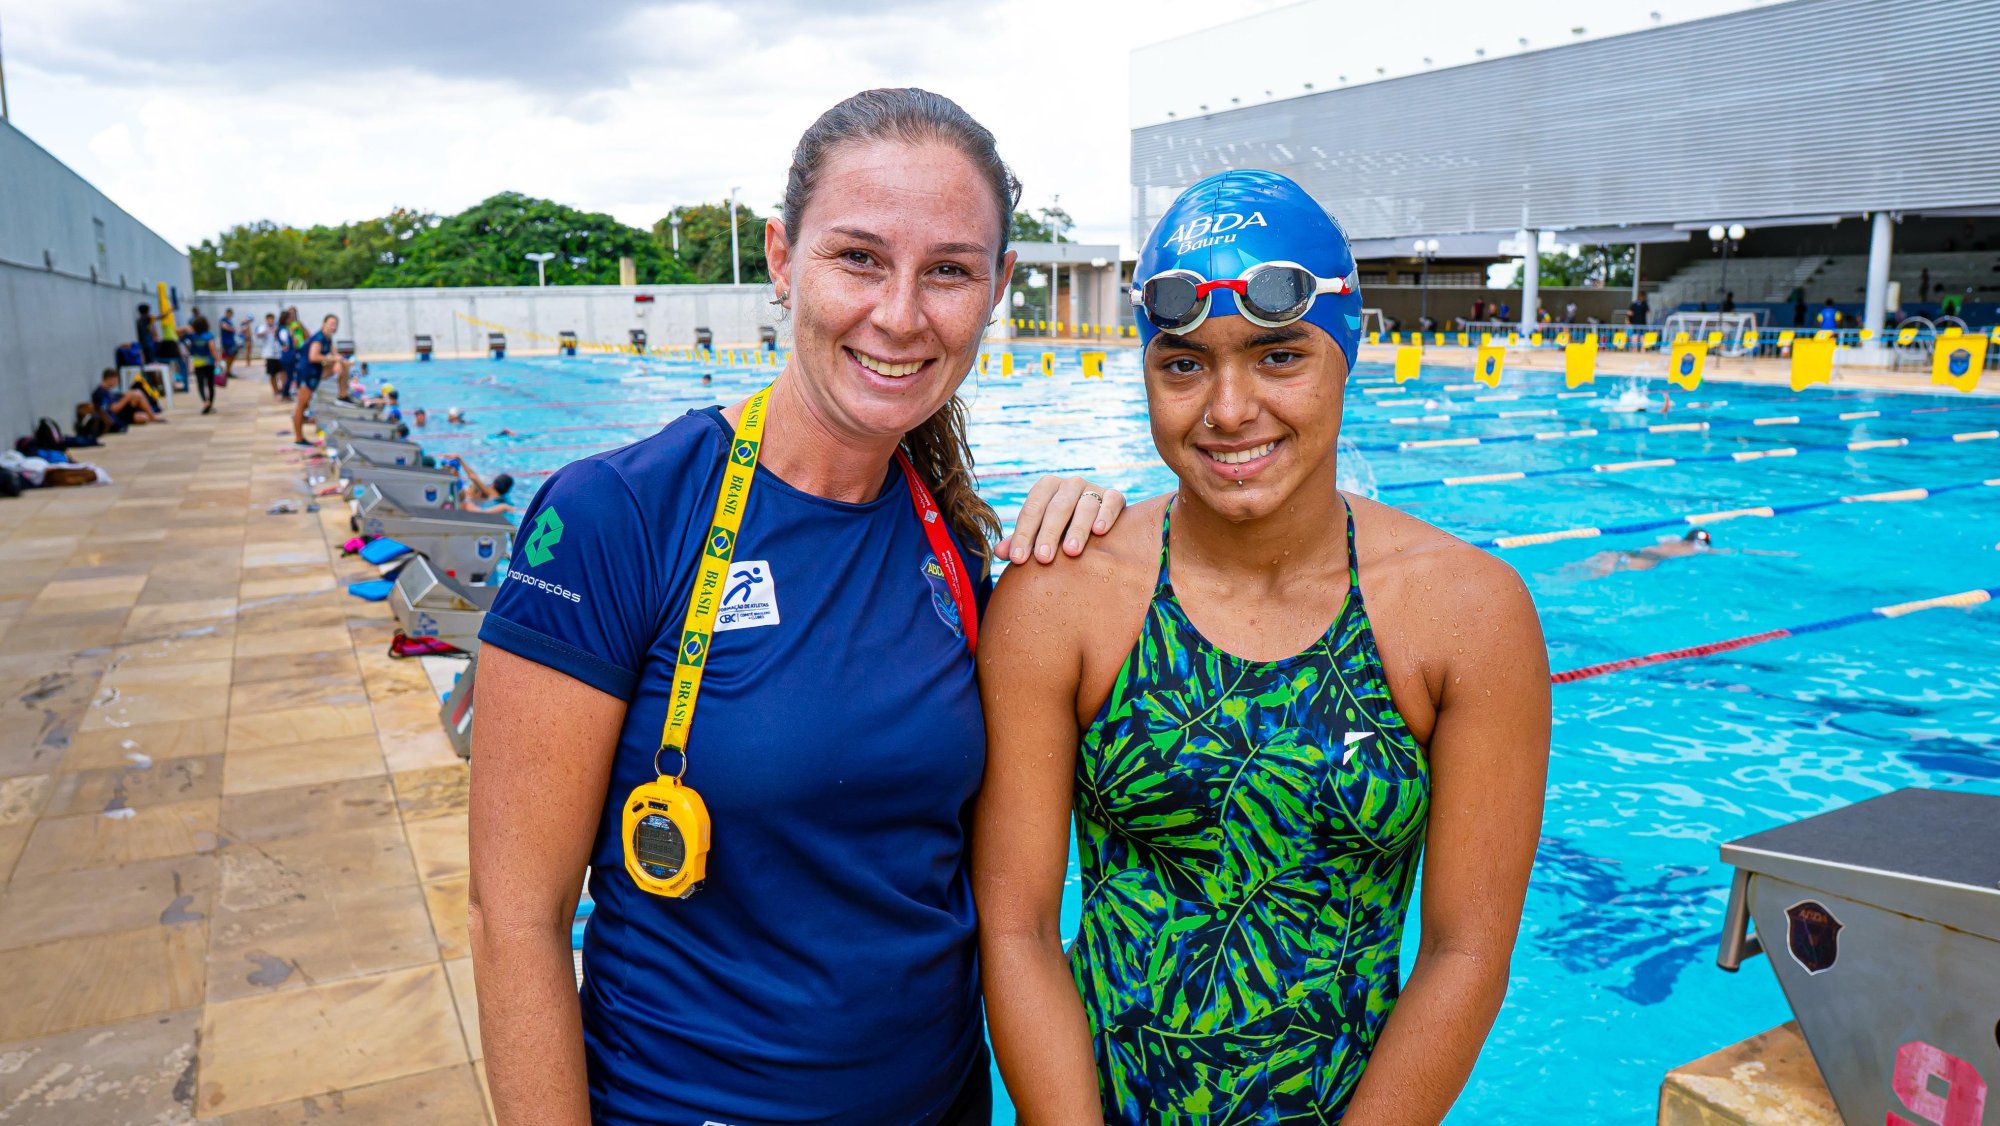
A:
(270, 256)
(487, 244)
(1039, 226)
(705, 242)
(1593, 265)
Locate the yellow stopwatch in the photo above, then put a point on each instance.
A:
(666, 827)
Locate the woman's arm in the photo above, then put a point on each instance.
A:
(1069, 509)
(544, 744)
(1489, 756)
(1029, 670)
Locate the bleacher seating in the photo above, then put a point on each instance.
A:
(1844, 278)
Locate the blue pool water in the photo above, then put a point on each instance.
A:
(1614, 979)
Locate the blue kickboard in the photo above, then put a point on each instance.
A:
(382, 550)
(374, 590)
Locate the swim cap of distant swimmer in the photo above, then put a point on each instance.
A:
(1232, 221)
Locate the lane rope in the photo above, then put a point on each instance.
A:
(1964, 600)
(1696, 519)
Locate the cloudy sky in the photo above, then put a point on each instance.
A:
(196, 116)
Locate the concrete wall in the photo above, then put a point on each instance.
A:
(383, 322)
(73, 269)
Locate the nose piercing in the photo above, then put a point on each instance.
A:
(1205, 421)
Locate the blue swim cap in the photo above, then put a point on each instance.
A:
(1230, 222)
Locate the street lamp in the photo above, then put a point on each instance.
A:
(1427, 249)
(735, 256)
(674, 222)
(228, 275)
(1727, 237)
(538, 258)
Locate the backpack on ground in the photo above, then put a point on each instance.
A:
(48, 435)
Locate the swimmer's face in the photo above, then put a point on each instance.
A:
(896, 265)
(1275, 393)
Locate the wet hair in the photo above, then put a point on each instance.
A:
(503, 483)
(937, 446)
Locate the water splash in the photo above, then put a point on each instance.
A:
(1353, 473)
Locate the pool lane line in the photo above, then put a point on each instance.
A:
(1486, 416)
(1661, 428)
(1696, 519)
(1696, 459)
(1964, 600)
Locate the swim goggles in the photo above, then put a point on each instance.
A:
(1271, 294)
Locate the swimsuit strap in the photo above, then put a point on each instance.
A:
(1161, 584)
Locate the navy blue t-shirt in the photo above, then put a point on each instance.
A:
(827, 972)
(325, 351)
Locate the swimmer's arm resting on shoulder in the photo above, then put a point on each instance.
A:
(546, 742)
(1485, 669)
(1030, 671)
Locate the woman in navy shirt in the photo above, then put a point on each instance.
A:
(826, 972)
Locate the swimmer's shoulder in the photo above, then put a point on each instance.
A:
(1406, 562)
(1076, 598)
(1429, 591)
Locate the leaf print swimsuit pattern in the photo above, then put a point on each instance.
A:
(1248, 832)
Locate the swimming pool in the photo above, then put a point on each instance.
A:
(1614, 980)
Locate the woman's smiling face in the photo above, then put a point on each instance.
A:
(892, 279)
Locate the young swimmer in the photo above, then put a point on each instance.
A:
(1256, 755)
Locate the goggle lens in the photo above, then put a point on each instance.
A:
(1281, 293)
(1173, 302)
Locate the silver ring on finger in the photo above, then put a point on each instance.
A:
(1093, 493)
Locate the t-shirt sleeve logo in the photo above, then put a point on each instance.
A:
(547, 533)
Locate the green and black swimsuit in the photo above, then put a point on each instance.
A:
(1248, 835)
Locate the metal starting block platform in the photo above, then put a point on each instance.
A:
(398, 500)
(429, 603)
(1882, 922)
(466, 546)
(356, 468)
(378, 429)
(381, 451)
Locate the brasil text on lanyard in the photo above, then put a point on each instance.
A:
(666, 825)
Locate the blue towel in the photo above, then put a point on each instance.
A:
(374, 590)
(382, 550)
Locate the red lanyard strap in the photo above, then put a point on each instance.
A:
(947, 555)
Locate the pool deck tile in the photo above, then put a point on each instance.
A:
(232, 833)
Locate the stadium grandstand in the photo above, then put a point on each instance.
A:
(1781, 155)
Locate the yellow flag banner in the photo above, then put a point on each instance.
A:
(1409, 362)
(1492, 358)
(1685, 364)
(1812, 362)
(1958, 360)
(1580, 363)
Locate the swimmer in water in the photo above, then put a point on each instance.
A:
(456, 417)
(420, 418)
(1698, 541)
(706, 379)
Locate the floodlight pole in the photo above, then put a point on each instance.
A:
(735, 253)
(228, 275)
(539, 258)
(1426, 249)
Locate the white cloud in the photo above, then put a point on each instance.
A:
(337, 112)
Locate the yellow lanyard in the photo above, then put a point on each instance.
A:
(716, 555)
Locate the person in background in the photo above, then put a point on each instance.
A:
(481, 496)
(269, 351)
(420, 418)
(1569, 314)
(1829, 317)
(201, 353)
(169, 350)
(1798, 307)
(296, 328)
(226, 331)
(1506, 313)
(118, 410)
(1640, 311)
(1729, 302)
(148, 334)
(317, 355)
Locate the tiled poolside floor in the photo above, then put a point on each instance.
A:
(232, 832)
